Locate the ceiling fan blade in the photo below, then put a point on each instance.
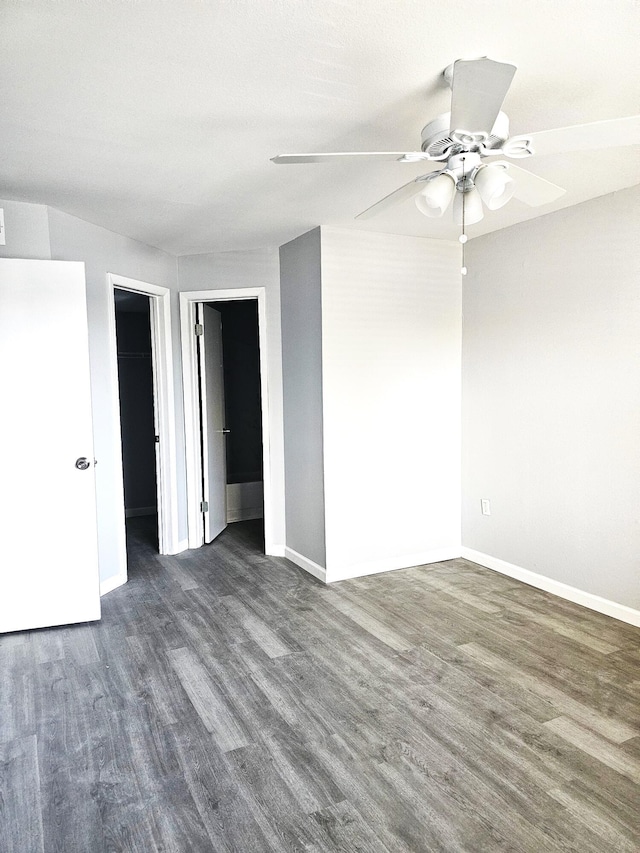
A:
(585, 137)
(401, 194)
(532, 189)
(369, 156)
(479, 88)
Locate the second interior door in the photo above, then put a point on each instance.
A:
(214, 462)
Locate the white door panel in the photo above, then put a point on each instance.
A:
(214, 461)
(49, 573)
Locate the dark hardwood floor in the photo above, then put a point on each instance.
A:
(229, 702)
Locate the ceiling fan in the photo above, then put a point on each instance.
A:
(462, 148)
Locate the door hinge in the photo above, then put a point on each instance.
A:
(157, 439)
(204, 506)
(199, 329)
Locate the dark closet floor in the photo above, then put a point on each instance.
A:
(229, 702)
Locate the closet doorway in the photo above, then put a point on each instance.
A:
(137, 409)
(143, 414)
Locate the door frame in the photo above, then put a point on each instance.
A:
(164, 411)
(188, 300)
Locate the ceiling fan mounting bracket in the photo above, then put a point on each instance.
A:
(440, 142)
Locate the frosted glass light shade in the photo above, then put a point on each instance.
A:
(436, 196)
(495, 186)
(473, 211)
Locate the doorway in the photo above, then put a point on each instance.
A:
(248, 488)
(137, 412)
(155, 305)
(230, 413)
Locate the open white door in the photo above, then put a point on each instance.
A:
(214, 459)
(47, 491)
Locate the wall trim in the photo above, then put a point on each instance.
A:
(245, 501)
(306, 564)
(562, 590)
(112, 583)
(134, 511)
(179, 547)
(244, 514)
(358, 570)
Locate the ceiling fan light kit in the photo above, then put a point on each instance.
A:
(473, 131)
(464, 174)
(495, 185)
(437, 194)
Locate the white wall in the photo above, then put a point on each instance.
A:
(103, 252)
(300, 277)
(26, 231)
(257, 268)
(391, 341)
(551, 396)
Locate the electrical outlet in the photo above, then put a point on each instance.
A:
(3, 242)
(485, 505)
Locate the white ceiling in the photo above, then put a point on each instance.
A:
(157, 118)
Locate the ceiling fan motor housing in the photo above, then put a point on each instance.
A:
(440, 140)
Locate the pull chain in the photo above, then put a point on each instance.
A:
(463, 237)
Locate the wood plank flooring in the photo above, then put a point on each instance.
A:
(229, 702)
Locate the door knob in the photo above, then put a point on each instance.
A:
(82, 463)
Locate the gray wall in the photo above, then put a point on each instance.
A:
(551, 396)
(300, 289)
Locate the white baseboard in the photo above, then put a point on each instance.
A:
(274, 550)
(244, 514)
(110, 584)
(562, 590)
(139, 510)
(179, 547)
(308, 565)
(244, 501)
(371, 568)
(408, 561)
